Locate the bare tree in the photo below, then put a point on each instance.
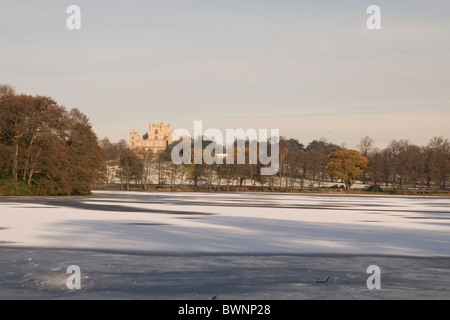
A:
(366, 146)
(438, 161)
(6, 90)
(131, 168)
(440, 144)
(111, 156)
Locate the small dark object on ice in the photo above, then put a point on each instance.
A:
(320, 281)
(214, 298)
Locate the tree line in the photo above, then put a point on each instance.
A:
(400, 166)
(44, 148)
(405, 165)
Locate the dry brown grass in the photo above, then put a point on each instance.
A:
(276, 190)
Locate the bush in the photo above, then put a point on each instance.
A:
(374, 188)
(9, 187)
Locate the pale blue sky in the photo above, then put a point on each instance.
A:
(310, 68)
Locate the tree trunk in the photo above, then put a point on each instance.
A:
(30, 177)
(218, 183)
(348, 185)
(173, 176)
(32, 169)
(15, 161)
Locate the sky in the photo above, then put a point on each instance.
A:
(311, 69)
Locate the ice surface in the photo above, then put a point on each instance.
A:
(231, 223)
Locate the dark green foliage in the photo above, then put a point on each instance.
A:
(296, 145)
(323, 147)
(9, 187)
(374, 188)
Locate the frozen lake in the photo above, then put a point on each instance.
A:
(257, 223)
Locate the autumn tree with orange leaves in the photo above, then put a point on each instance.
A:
(347, 165)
